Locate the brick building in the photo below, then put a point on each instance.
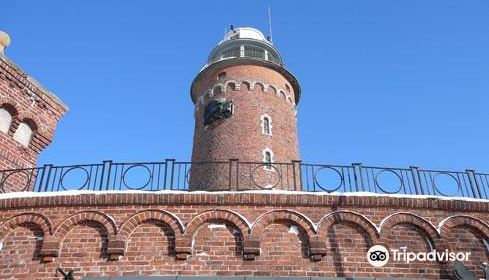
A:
(28, 117)
(269, 214)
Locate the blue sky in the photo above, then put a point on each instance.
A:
(389, 83)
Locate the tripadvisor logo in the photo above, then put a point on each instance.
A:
(378, 256)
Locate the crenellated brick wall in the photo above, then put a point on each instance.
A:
(231, 233)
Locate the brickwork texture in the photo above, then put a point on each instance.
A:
(29, 103)
(233, 234)
(255, 91)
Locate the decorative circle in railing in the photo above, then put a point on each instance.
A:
(332, 172)
(265, 172)
(441, 181)
(137, 179)
(77, 179)
(394, 176)
(16, 181)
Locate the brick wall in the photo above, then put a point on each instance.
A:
(27, 102)
(255, 91)
(233, 234)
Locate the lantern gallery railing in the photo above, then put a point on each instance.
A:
(234, 175)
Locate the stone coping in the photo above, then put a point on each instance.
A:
(252, 198)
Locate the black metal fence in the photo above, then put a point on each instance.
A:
(234, 175)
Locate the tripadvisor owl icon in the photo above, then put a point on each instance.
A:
(378, 255)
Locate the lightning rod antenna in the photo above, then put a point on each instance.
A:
(270, 23)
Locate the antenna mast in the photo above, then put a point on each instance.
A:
(270, 23)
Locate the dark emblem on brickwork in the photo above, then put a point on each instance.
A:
(460, 271)
(66, 275)
(217, 109)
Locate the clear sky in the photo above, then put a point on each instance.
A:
(389, 83)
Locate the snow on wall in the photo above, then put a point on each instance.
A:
(359, 194)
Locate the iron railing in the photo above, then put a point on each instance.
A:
(234, 175)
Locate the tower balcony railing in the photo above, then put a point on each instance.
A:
(235, 175)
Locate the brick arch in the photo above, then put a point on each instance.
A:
(217, 214)
(21, 248)
(228, 84)
(219, 87)
(262, 222)
(11, 107)
(30, 118)
(69, 223)
(263, 86)
(249, 85)
(347, 217)
(32, 125)
(34, 122)
(7, 99)
(130, 224)
(463, 221)
(411, 219)
(282, 94)
(274, 88)
(464, 233)
(39, 220)
(184, 246)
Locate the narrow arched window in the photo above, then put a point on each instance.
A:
(266, 125)
(5, 120)
(267, 159)
(23, 134)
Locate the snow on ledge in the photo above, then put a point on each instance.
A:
(345, 194)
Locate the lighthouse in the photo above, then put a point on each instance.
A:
(245, 117)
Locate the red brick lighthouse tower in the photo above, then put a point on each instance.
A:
(245, 116)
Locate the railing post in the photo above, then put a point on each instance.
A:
(416, 179)
(41, 177)
(167, 162)
(356, 174)
(296, 169)
(232, 162)
(106, 165)
(172, 163)
(473, 183)
(47, 173)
